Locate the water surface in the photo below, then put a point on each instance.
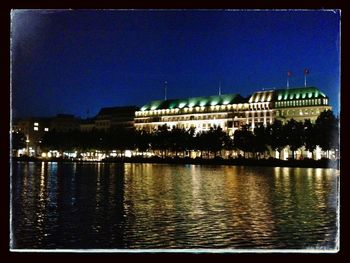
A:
(96, 205)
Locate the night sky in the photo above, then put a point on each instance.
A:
(77, 62)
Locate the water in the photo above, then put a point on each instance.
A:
(95, 205)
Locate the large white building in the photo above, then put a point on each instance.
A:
(231, 111)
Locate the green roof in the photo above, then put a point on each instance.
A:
(298, 93)
(262, 96)
(194, 102)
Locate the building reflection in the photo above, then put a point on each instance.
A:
(173, 206)
(195, 205)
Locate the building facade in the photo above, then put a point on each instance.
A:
(115, 117)
(64, 123)
(231, 112)
(33, 129)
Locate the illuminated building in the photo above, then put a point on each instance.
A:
(201, 113)
(33, 129)
(231, 112)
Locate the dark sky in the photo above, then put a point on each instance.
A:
(79, 61)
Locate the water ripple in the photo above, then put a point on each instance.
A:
(58, 205)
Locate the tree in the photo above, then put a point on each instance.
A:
(142, 141)
(276, 137)
(327, 127)
(310, 136)
(260, 139)
(243, 139)
(294, 135)
(160, 140)
(216, 139)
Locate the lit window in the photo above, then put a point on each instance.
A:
(46, 129)
(36, 128)
(36, 124)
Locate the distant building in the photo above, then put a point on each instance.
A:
(87, 125)
(64, 123)
(34, 129)
(115, 117)
(231, 112)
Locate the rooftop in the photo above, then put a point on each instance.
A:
(298, 93)
(194, 102)
(116, 110)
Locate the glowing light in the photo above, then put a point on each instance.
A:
(257, 98)
(214, 102)
(43, 155)
(46, 129)
(36, 128)
(279, 97)
(182, 104)
(127, 153)
(202, 103)
(36, 124)
(153, 107)
(49, 155)
(226, 102)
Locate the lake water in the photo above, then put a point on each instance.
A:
(152, 206)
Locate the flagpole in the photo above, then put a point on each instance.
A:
(289, 73)
(306, 72)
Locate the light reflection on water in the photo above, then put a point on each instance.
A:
(95, 205)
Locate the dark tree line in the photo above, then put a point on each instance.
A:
(324, 133)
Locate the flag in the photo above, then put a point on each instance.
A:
(289, 73)
(306, 71)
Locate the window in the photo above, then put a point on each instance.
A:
(46, 129)
(36, 128)
(36, 124)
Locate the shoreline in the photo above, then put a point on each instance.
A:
(306, 163)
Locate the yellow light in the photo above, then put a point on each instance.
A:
(43, 155)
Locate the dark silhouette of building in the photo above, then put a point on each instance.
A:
(115, 117)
